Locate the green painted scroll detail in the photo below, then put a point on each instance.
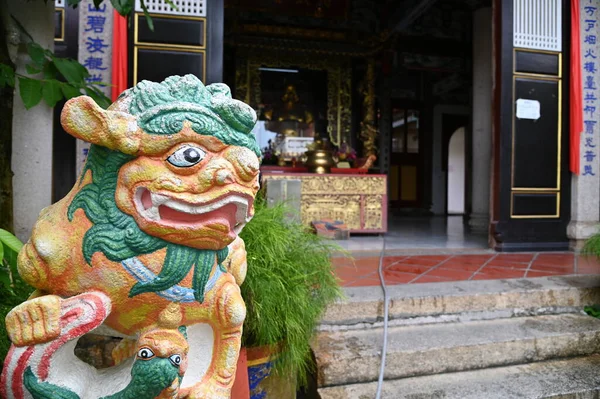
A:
(162, 108)
(45, 390)
(149, 379)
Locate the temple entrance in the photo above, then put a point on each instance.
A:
(409, 113)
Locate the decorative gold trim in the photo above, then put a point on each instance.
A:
(359, 200)
(559, 134)
(262, 360)
(368, 129)
(535, 189)
(137, 42)
(339, 94)
(163, 48)
(530, 50)
(555, 216)
(292, 31)
(62, 28)
(533, 76)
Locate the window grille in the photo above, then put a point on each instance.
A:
(537, 24)
(190, 8)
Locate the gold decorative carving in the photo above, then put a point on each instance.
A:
(357, 200)
(339, 94)
(292, 31)
(373, 212)
(336, 207)
(368, 131)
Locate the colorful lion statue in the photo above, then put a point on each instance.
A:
(151, 229)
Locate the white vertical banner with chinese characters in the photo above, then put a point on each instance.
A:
(590, 62)
(585, 187)
(95, 53)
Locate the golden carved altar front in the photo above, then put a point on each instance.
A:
(359, 200)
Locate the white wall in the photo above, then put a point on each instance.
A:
(262, 134)
(482, 120)
(438, 176)
(456, 173)
(32, 129)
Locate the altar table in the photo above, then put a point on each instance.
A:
(357, 199)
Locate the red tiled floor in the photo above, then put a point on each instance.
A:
(508, 264)
(522, 258)
(437, 268)
(457, 265)
(450, 274)
(472, 258)
(588, 262)
(407, 268)
(426, 260)
(556, 260)
(390, 260)
(394, 277)
(367, 282)
(562, 269)
(502, 272)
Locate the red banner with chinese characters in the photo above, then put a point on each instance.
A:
(119, 57)
(576, 92)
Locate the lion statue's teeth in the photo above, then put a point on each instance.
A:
(157, 199)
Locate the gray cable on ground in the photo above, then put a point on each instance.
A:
(385, 320)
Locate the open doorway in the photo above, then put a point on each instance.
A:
(422, 83)
(456, 173)
(405, 177)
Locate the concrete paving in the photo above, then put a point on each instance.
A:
(577, 378)
(463, 301)
(346, 357)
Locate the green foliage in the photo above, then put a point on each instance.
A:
(13, 289)
(289, 284)
(592, 246)
(593, 311)
(63, 78)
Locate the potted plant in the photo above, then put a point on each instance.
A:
(290, 282)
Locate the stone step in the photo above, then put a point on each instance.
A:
(577, 378)
(353, 356)
(463, 301)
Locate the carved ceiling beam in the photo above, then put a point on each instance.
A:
(408, 13)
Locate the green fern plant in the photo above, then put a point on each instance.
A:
(592, 248)
(13, 290)
(289, 284)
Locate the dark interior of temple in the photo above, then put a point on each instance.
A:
(422, 53)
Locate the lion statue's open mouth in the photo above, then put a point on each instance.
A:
(232, 210)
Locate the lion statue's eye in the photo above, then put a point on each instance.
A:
(145, 354)
(186, 156)
(175, 359)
